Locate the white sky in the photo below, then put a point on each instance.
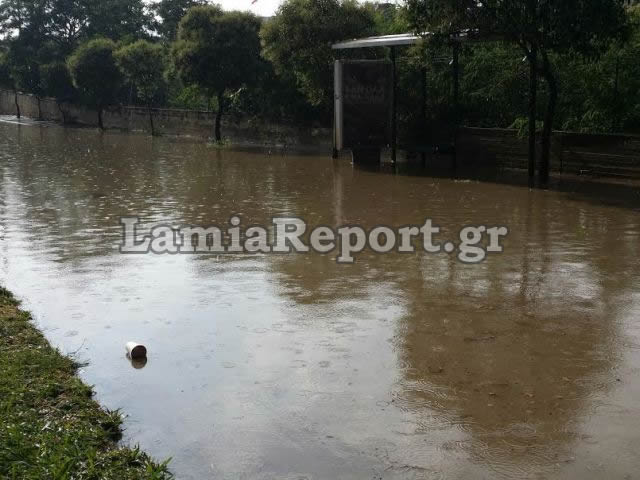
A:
(263, 8)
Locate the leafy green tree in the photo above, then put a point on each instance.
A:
(69, 21)
(298, 42)
(143, 63)
(218, 52)
(540, 28)
(23, 24)
(117, 19)
(25, 69)
(27, 18)
(390, 19)
(95, 74)
(275, 98)
(170, 12)
(7, 81)
(57, 83)
(493, 79)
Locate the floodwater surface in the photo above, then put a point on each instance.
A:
(294, 367)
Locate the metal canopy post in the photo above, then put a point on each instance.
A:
(456, 100)
(533, 89)
(423, 74)
(394, 108)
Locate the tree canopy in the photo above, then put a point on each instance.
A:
(580, 51)
(57, 83)
(143, 64)
(298, 41)
(217, 51)
(66, 23)
(538, 27)
(170, 12)
(95, 73)
(6, 80)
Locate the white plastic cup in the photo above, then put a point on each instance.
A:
(135, 351)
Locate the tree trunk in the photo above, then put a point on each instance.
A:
(64, 115)
(39, 108)
(100, 124)
(217, 133)
(15, 99)
(547, 131)
(153, 130)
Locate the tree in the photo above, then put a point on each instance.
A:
(7, 81)
(117, 19)
(170, 13)
(298, 42)
(69, 22)
(95, 74)
(538, 27)
(57, 83)
(23, 17)
(25, 69)
(23, 24)
(217, 51)
(143, 63)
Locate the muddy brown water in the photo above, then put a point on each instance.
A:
(292, 367)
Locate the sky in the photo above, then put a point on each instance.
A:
(263, 8)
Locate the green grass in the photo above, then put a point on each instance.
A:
(50, 426)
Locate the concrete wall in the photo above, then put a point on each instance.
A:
(172, 122)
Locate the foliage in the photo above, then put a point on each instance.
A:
(6, 80)
(494, 78)
(190, 98)
(589, 67)
(539, 28)
(217, 51)
(117, 19)
(298, 42)
(57, 81)
(443, 17)
(143, 63)
(67, 23)
(389, 19)
(95, 73)
(24, 18)
(51, 426)
(170, 12)
(24, 65)
(274, 98)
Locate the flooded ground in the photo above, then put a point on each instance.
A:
(294, 367)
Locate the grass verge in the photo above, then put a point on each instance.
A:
(50, 426)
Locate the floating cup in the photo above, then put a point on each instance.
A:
(135, 351)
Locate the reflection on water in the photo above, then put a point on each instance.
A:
(400, 366)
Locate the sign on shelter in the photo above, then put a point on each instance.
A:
(363, 101)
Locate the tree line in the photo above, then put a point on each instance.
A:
(177, 53)
(192, 54)
(554, 37)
